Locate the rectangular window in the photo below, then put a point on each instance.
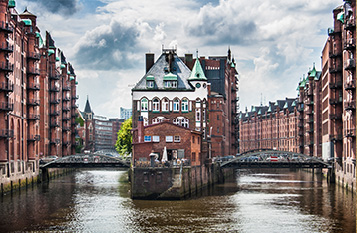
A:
(217, 129)
(147, 138)
(193, 139)
(193, 156)
(156, 138)
(177, 138)
(169, 138)
(149, 84)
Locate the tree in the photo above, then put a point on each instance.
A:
(125, 138)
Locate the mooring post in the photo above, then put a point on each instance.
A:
(45, 175)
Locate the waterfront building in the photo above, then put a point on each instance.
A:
(125, 113)
(324, 121)
(179, 92)
(31, 79)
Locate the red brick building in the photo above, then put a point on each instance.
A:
(322, 120)
(27, 67)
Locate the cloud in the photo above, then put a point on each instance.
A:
(107, 47)
(65, 7)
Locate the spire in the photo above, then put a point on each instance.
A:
(88, 109)
(313, 72)
(229, 53)
(197, 72)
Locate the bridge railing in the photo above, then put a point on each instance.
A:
(174, 163)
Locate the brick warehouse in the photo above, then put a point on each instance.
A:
(37, 97)
(321, 121)
(198, 94)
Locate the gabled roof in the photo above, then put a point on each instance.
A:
(197, 73)
(162, 71)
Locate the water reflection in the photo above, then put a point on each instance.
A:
(259, 201)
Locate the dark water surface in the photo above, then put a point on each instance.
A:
(253, 201)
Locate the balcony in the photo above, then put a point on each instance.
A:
(4, 46)
(33, 55)
(54, 113)
(34, 86)
(350, 85)
(75, 106)
(66, 143)
(6, 133)
(350, 64)
(55, 76)
(350, 24)
(54, 124)
(66, 129)
(66, 119)
(66, 88)
(5, 106)
(335, 69)
(55, 141)
(6, 66)
(54, 89)
(350, 44)
(350, 105)
(335, 117)
(351, 133)
(7, 87)
(33, 117)
(56, 101)
(66, 109)
(34, 138)
(6, 27)
(75, 97)
(336, 137)
(335, 101)
(335, 54)
(336, 85)
(34, 102)
(33, 71)
(66, 98)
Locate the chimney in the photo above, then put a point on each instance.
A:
(140, 129)
(150, 57)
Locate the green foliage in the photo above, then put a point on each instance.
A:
(79, 145)
(80, 121)
(125, 138)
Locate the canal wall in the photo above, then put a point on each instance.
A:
(12, 182)
(174, 182)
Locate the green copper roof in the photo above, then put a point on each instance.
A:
(247, 115)
(197, 72)
(170, 77)
(303, 83)
(150, 78)
(63, 66)
(68, 72)
(232, 65)
(40, 39)
(12, 3)
(57, 58)
(313, 72)
(286, 105)
(71, 78)
(293, 104)
(240, 116)
(269, 109)
(27, 22)
(341, 16)
(76, 83)
(50, 52)
(253, 109)
(259, 112)
(276, 103)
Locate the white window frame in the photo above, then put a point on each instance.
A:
(156, 105)
(177, 138)
(184, 105)
(165, 105)
(144, 105)
(176, 105)
(147, 138)
(169, 138)
(156, 138)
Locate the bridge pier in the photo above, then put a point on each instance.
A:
(45, 176)
(331, 178)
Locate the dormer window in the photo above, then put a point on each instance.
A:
(170, 80)
(150, 81)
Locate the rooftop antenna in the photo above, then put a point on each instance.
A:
(261, 99)
(196, 53)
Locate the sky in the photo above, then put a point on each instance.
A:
(274, 42)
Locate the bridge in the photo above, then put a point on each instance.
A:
(267, 158)
(86, 161)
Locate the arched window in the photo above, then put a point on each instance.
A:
(176, 105)
(165, 105)
(144, 104)
(156, 105)
(184, 105)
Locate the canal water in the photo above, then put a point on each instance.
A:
(252, 201)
